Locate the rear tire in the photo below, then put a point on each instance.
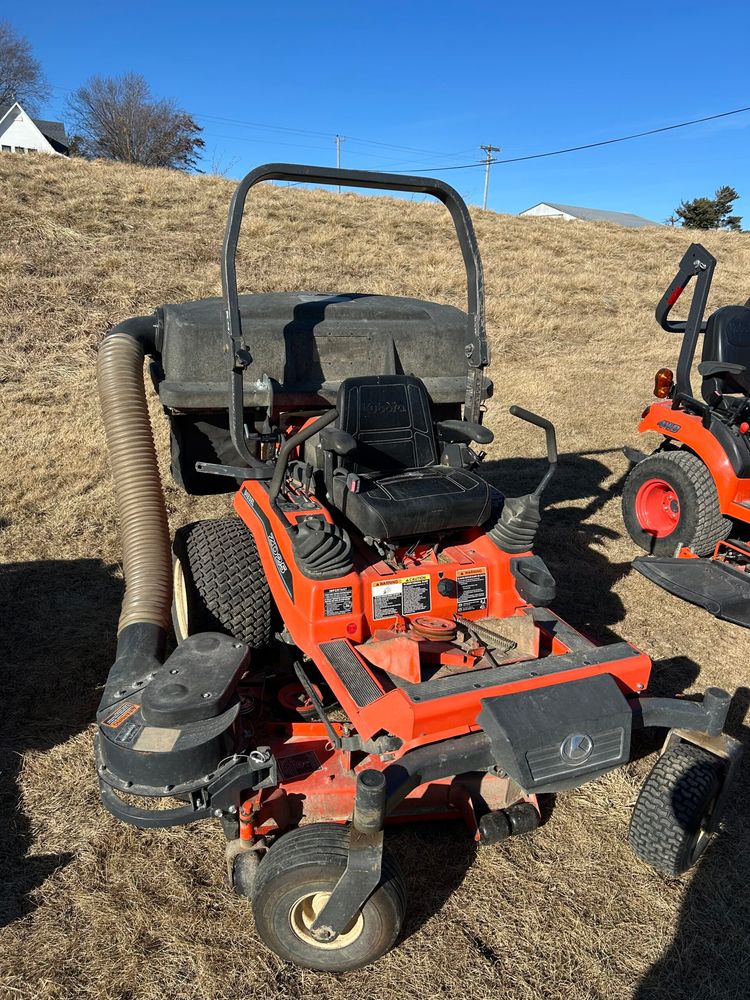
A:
(670, 499)
(668, 826)
(219, 583)
(293, 882)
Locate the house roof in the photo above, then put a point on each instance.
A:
(599, 215)
(53, 131)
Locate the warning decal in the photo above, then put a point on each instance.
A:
(119, 714)
(337, 601)
(472, 589)
(408, 596)
(297, 764)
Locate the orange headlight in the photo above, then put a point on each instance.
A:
(663, 383)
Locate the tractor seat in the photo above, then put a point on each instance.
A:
(727, 341)
(401, 489)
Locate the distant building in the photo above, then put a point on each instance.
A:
(571, 213)
(20, 133)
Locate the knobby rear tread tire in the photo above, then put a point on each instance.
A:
(227, 590)
(701, 523)
(674, 800)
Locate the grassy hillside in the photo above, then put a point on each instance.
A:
(97, 909)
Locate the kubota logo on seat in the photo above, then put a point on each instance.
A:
(383, 407)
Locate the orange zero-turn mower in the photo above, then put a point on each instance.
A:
(688, 502)
(366, 638)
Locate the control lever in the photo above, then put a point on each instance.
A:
(551, 438)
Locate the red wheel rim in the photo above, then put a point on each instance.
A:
(657, 507)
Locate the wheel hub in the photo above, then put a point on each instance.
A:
(304, 913)
(657, 508)
(180, 598)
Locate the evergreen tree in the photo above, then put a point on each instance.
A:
(711, 213)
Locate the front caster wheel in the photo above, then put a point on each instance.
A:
(669, 829)
(292, 886)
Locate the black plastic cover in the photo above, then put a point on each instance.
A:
(550, 737)
(197, 682)
(307, 343)
(174, 726)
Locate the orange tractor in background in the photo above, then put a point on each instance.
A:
(688, 502)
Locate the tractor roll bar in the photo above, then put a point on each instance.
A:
(697, 262)
(477, 352)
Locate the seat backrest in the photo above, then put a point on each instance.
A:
(389, 416)
(727, 339)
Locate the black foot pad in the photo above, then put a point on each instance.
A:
(713, 585)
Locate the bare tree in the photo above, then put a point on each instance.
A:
(118, 118)
(21, 76)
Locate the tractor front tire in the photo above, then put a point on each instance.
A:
(294, 881)
(670, 499)
(219, 583)
(668, 829)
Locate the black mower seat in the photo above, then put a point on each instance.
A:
(400, 488)
(727, 340)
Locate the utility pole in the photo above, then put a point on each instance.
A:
(489, 150)
(339, 140)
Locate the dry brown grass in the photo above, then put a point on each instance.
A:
(95, 909)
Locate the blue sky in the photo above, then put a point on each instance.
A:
(439, 78)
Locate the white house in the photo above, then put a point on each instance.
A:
(571, 213)
(20, 133)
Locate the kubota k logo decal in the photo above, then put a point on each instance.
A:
(576, 748)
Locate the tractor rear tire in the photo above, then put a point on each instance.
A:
(219, 583)
(294, 881)
(668, 826)
(670, 499)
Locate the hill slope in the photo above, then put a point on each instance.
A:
(99, 910)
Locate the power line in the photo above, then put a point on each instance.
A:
(588, 145)
(263, 126)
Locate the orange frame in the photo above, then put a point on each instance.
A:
(301, 603)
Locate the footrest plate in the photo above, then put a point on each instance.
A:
(720, 589)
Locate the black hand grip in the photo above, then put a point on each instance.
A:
(547, 426)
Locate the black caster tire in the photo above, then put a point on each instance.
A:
(668, 829)
(294, 880)
(670, 499)
(245, 873)
(219, 583)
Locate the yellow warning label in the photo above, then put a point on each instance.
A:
(409, 595)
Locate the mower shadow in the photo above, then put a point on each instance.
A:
(57, 641)
(585, 577)
(434, 858)
(708, 956)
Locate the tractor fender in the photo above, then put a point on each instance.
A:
(688, 429)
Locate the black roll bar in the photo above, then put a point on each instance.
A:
(477, 353)
(697, 263)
